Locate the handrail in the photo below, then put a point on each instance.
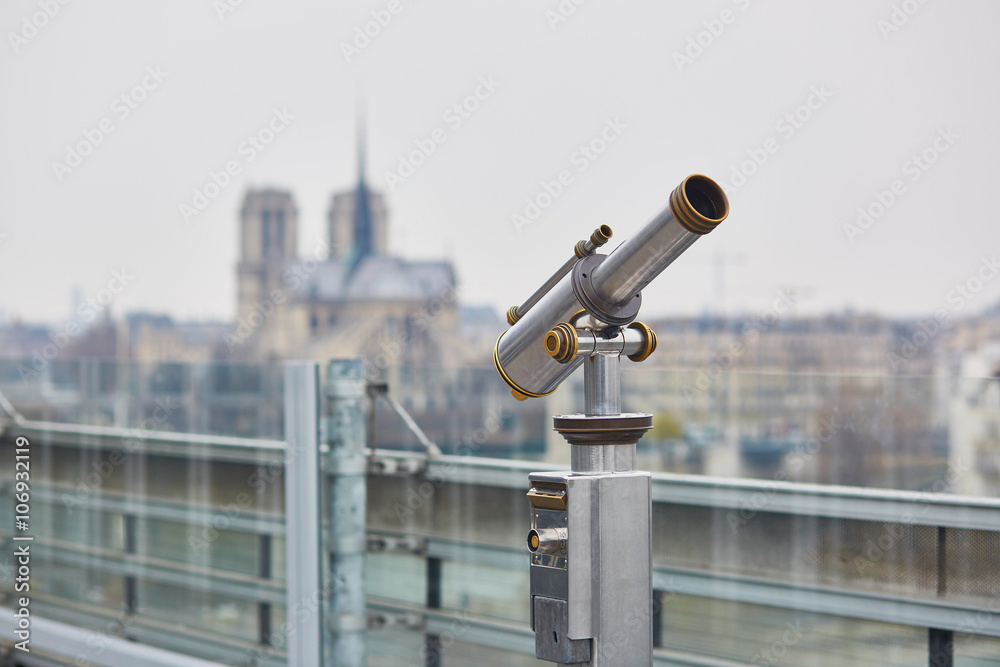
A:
(912, 507)
(843, 502)
(151, 436)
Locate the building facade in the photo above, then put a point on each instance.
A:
(349, 298)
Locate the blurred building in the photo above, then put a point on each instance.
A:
(842, 343)
(151, 338)
(971, 334)
(19, 340)
(347, 296)
(975, 425)
(814, 399)
(358, 221)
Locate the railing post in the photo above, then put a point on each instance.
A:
(432, 642)
(941, 647)
(657, 619)
(131, 588)
(303, 543)
(346, 468)
(264, 572)
(941, 643)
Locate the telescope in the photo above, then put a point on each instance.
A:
(591, 533)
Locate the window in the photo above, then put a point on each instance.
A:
(265, 231)
(279, 232)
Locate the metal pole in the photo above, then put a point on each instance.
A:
(302, 513)
(602, 384)
(621, 531)
(346, 468)
(941, 648)
(941, 643)
(432, 642)
(603, 396)
(264, 572)
(657, 619)
(131, 588)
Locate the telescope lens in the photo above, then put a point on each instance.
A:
(704, 197)
(551, 342)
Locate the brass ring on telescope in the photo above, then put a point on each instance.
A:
(710, 198)
(576, 316)
(649, 338)
(562, 343)
(512, 316)
(518, 393)
(601, 236)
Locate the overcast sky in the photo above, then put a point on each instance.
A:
(883, 86)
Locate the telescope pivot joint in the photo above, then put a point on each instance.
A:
(564, 342)
(601, 309)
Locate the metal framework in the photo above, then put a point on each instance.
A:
(942, 619)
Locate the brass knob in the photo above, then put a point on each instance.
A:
(649, 338)
(547, 541)
(562, 343)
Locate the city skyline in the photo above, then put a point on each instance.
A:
(854, 123)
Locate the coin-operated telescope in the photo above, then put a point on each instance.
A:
(590, 537)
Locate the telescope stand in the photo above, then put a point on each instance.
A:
(590, 537)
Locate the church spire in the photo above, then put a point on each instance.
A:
(364, 242)
(361, 139)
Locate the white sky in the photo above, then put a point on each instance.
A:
(119, 208)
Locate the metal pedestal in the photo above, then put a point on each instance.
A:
(590, 538)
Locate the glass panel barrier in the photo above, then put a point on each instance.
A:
(798, 519)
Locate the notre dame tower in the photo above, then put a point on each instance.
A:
(357, 222)
(268, 226)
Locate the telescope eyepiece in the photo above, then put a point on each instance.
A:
(601, 236)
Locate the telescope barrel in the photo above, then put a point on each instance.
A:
(697, 205)
(695, 208)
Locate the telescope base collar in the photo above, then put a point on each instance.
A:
(623, 429)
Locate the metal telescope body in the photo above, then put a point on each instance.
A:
(606, 286)
(591, 532)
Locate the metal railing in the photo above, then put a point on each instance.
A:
(116, 523)
(892, 567)
(892, 561)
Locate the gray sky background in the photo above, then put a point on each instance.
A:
(891, 94)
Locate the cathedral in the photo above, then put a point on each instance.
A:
(345, 297)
